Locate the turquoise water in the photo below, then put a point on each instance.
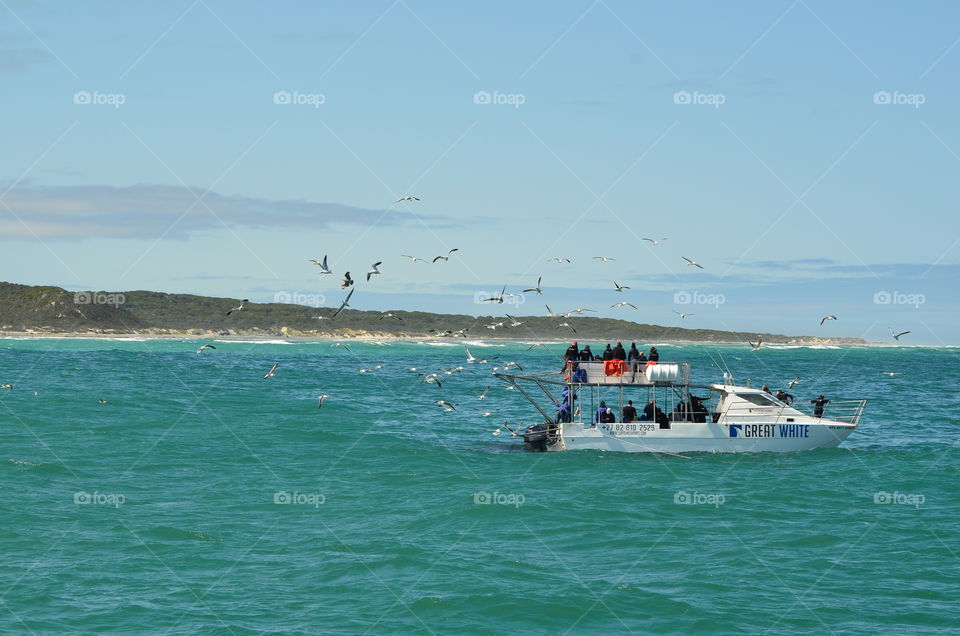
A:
(383, 533)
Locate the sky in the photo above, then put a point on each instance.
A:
(805, 153)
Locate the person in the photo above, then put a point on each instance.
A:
(654, 355)
(634, 353)
(608, 417)
(653, 413)
(766, 389)
(699, 409)
(818, 405)
(629, 413)
(784, 397)
(608, 353)
(585, 354)
(601, 412)
(642, 359)
(572, 352)
(618, 352)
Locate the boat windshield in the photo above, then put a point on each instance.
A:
(759, 399)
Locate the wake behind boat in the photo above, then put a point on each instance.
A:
(674, 415)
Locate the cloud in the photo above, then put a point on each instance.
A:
(149, 211)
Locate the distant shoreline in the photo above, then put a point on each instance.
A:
(76, 335)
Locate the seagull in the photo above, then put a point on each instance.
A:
(389, 315)
(345, 303)
(342, 344)
(371, 369)
(559, 259)
(692, 263)
(623, 304)
(826, 318)
(484, 413)
(550, 313)
(6, 386)
(273, 371)
(374, 270)
(682, 315)
(507, 365)
(493, 326)
(498, 299)
(566, 324)
(320, 400)
(754, 347)
(347, 281)
(414, 258)
(238, 308)
(322, 265)
(506, 425)
(452, 370)
(447, 257)
(896, 336)
(470, 357)
(618, 287)
(483, 396)
(577, 311)
(536, 289)
(537, 344)
(433, 378)
(603, 258)
(447, 406)
(514, 322)
(653, 241)
(792, 383)
(206, 346)
(101, 401)
(462, 333)
(407, 198)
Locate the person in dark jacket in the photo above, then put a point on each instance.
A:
(654, 354)
(608, 353)
(634, 354)
(618, 352)
(608, 417)
(629, 413)
(818, 405)
(601, 412)
(585, 354)
(572, 352)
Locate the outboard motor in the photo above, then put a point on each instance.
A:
(535, 438)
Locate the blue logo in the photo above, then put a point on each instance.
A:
(735, 428)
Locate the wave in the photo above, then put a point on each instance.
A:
(280, 342)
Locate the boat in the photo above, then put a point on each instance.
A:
(674, 416)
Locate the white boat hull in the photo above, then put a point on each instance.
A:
(688, 437)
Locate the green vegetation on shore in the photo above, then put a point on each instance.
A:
(44, 309)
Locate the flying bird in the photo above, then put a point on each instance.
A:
(320, 400)
(371, 369)
(345, 303)
(550, 313)
(536, 289)
(566, 324)
(347, 281)
(432, 378)
(273, 371)
(407, 198)
(896, 336)
(792, 383)
(447, 406)
(559, 259)
(470, 357)
(618, 287)
(206, 346)
(389, 315)
(414, 259)
(754, 347)
(653, 241)
(826, 318)
(514, 322)
(374, 270)
(101, 401)
(322, 265)
(682, 315)
(447, 257)
(497, 299)
(538, 344)
(238, 308)
(603, 258)
(483, 412)
(342, 344)
(6, 386)
(692, 263)
(623, 304)
(483, 396)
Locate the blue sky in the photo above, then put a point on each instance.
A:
(804, 153)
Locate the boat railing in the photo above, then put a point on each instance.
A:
(632, 373)
(848, 411)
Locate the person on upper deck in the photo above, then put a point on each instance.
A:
(608, 353)
(572, 352)
(654, 354)
(634, 354)
(618, 352)
(585, 354)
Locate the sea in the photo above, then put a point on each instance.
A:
(147, 489)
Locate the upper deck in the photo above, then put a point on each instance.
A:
(633, 374)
